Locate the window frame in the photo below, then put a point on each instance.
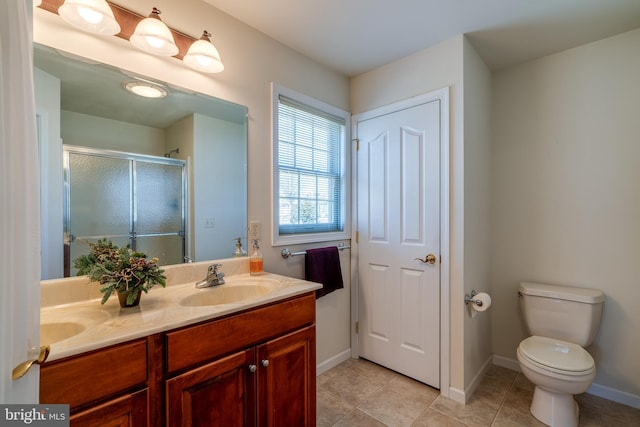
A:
(311, 237)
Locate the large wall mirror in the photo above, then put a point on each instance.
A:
(83, 107)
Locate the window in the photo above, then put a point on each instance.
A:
(310, 161)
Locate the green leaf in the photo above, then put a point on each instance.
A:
(133, 294)
(106, 295)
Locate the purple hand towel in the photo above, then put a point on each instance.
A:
(323, 266)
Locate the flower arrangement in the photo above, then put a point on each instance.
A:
(119, 270)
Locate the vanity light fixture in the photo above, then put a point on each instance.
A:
(145, 88)
(93, 16)
(149, 34)
(203, 55)
(153, 36)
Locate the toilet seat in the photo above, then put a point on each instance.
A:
(557, 356)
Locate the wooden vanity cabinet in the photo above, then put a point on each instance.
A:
(255, 368)
(220, 393)
(107, 387)
(130, 410)
(267, 380)
(287, 384)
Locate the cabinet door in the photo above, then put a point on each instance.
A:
(126, 411)
(287, 380)
(220, 393)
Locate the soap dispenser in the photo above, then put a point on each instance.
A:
(256, 263)
(239, 249)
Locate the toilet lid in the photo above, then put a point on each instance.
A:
(557, 354)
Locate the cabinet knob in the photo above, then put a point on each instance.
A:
(252, 368)
(265, 363)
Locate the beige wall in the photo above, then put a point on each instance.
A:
(566, 205)
(220, 175)
(48, 112)
(97, 132)
(252, 61)
(477, 214)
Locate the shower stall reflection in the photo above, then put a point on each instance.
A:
(128, 198)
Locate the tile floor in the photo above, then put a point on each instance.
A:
(360, 393)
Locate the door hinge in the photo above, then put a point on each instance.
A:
(357, 327)
(357, 237)
(357, 141)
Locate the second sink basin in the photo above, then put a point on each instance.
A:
(58, 331)
(224, 294)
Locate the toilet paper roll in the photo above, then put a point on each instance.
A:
(484, 298)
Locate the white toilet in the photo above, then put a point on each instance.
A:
(562, 320)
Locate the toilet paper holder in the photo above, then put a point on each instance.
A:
(469, 299)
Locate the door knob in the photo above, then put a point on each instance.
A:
(252, 368)
(265, 363)
(429, 259)
(21, 369)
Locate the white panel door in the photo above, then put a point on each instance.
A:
(398, 215)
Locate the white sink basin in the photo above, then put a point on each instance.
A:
(225, 294)
(58, 331)
(54, 329)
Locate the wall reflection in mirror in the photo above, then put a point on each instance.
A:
(84, 108)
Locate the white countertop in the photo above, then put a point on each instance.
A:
(159, 310)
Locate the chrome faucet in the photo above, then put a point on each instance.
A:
(214, 278)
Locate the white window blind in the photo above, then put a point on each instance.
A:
(310, 169)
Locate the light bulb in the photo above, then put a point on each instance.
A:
(153, 36)
(89, 15)
(93, 16)
(203, 55)
(204, 60)
(154, 41)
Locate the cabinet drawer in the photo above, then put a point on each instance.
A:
(197, 344)
(81, 379)
(129, 410)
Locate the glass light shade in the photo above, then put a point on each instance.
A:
(145, 89)
(203, 56)
(153, 36)
(93, 16)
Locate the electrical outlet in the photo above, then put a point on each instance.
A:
(254, 230)
(209, 223)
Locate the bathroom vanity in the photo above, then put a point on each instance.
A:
(190, 357)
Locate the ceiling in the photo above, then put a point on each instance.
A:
(355, 36)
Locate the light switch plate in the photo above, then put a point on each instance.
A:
(254, 230)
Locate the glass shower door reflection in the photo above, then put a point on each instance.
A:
(159, 211)
(130, 199)
(99, 203)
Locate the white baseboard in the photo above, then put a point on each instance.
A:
(333, 362)
(457, 395)
(595, 389)
(506, 362)
(477, 379)
(615, 395)
(463, 397)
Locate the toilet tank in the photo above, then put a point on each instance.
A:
(563, 312)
